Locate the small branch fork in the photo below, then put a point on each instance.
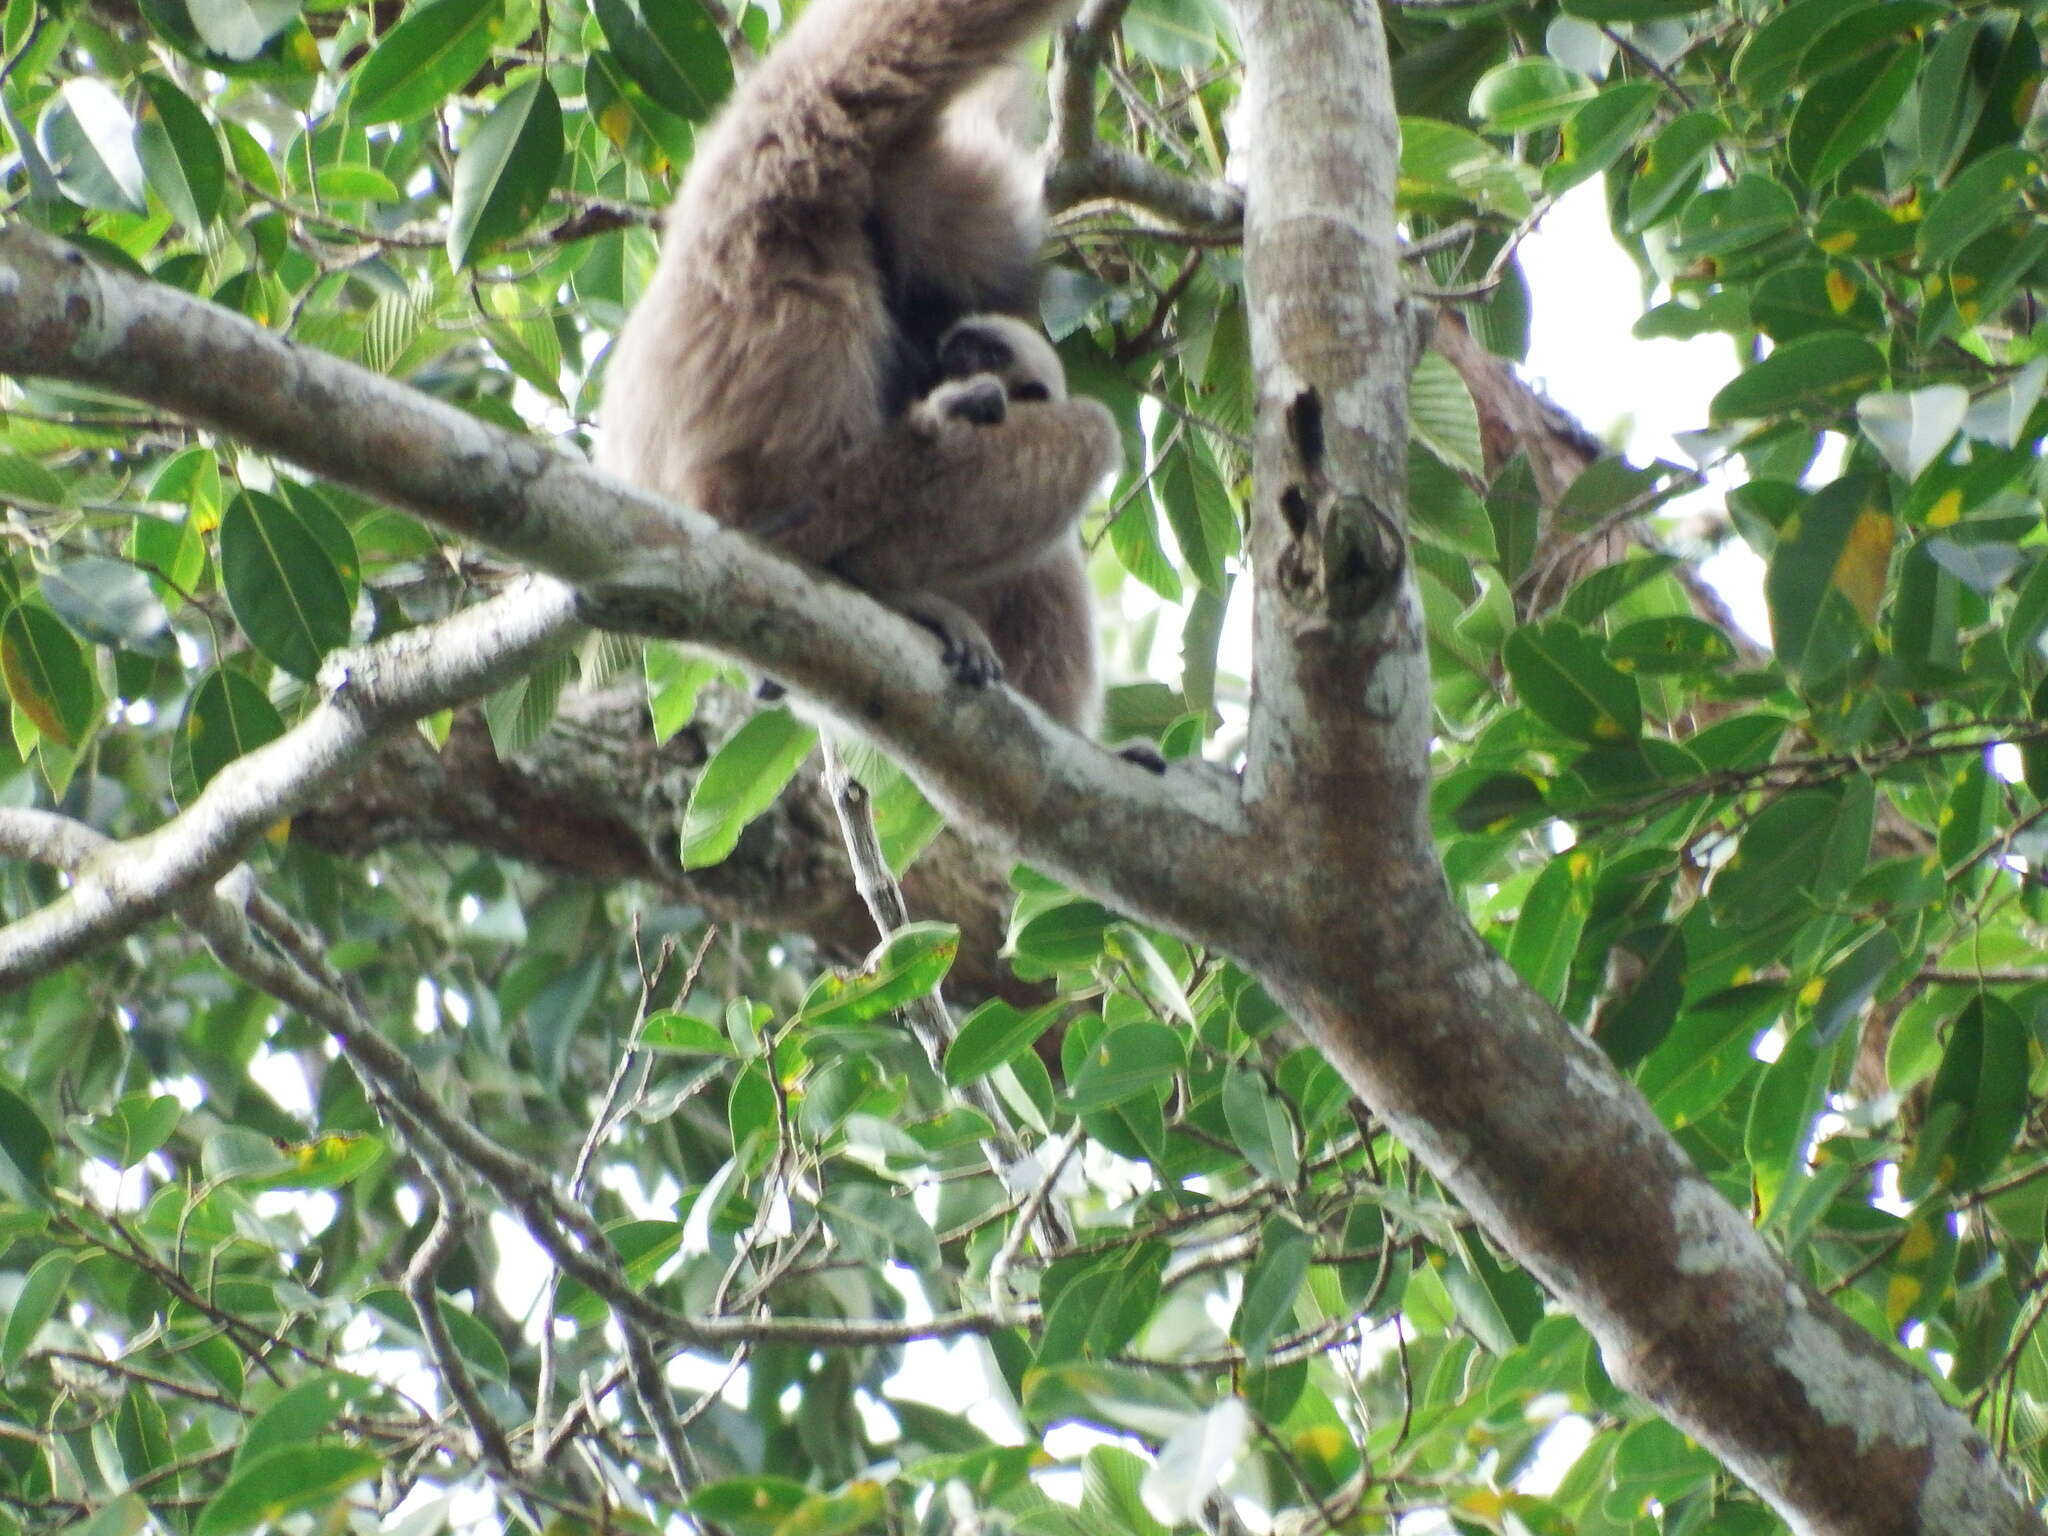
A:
(1081, 168)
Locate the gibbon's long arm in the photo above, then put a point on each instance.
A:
(963, 505)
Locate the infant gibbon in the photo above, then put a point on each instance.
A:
(835, 226)
(1006, 588)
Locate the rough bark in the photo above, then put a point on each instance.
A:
(595, 799)
(1522, 1117)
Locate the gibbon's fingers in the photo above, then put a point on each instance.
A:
(963, 644)
(972, 505)
(980, 401)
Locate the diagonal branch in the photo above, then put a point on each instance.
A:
(369, 692)
(988, 757)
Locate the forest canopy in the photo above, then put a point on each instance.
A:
(451, 1078)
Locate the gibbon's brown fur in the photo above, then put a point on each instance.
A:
(836, 222)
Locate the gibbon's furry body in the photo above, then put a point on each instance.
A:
(835, 224)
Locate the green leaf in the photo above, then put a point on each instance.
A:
(1984, 1076)
(1444, 509)
(1561, 677)
(135, 1127)
(1117, 1397)
(2002, 76)
(1706, 1054)
(432, 53)
(1844, 111)
(1134, 535)
(46, 674)
(1733, 218)
(1448, 167)
(1599, 590)
(1807, 298)
(1271, 1283)
(181, 153)
(27, 1150)
(507, 169)
(23, 479)
(1673, 646)
(1128, 1060)
(1442, 417)
(304, 1411)
(993, 1035)
(1261, 1126)
(748, 1506)
(1515, 509)
(1827, 576)
(228, 716)
(1672, 165)
(1985, 195)
(630, 118)
(282, 1482)
(34, 1305)
(1599, 132)
(1646, 988)
(238, 29)
(1910, 427)
(282, 585)
(1528, 93)
(1780, 860)
(672, 52)
(1148, 970)
(1175, 34)
(1553, 916)
(1767, 64)
(1852, 980)
(1070, 933)
(884, 1223)
(859, 1506)
(1856, 224)
(1810, 375)
(903, 968)
(685, 1035)
(109, 602)
(674, 679)
(1112, 1496)
(1199, 509)
(1791, 1092)
(352, 183)
(88, 138)
(744, 777)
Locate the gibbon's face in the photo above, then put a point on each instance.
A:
(1009, 349)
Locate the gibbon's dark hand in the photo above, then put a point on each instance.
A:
(981, 400)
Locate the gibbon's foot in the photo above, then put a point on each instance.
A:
(981, 400)
(1145, 755)
(963, 645)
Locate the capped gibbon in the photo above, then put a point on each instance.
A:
(799, 365)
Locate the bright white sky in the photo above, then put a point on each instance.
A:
(1587, 296)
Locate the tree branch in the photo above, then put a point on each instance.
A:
(1082, 168)
(986, 755)
(1523, 1118)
